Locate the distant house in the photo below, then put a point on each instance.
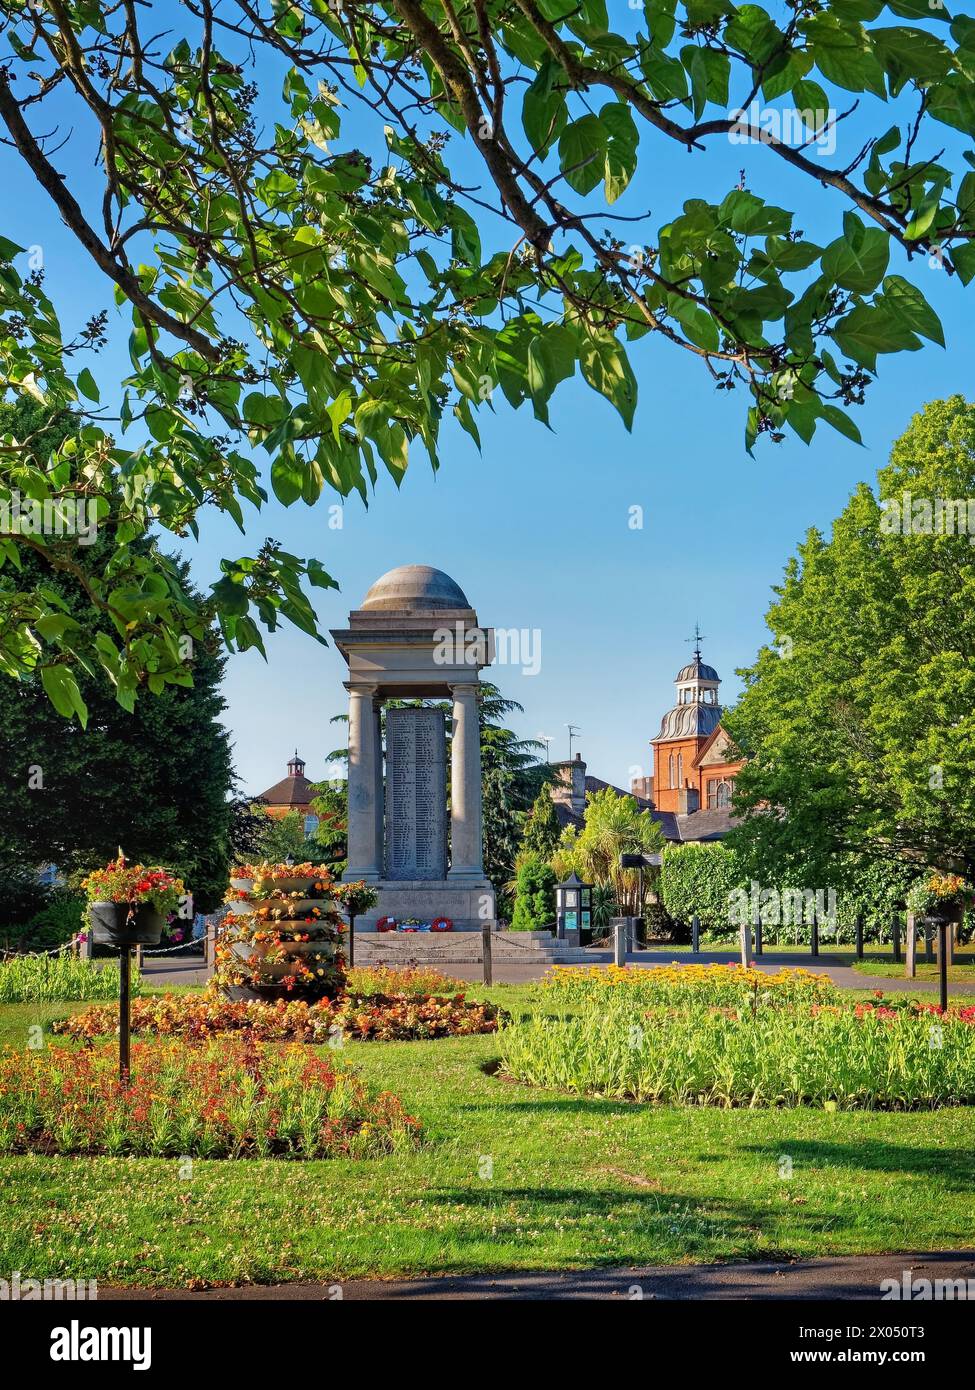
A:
(292, 793)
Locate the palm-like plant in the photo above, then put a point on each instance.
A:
(615, 825)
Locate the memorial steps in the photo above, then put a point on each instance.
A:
(464, 948)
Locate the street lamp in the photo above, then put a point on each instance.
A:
(573, 907)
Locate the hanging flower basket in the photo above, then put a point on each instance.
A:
(119, 924)
(940, 899)
(128, 904)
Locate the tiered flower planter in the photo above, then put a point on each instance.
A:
(282, 938)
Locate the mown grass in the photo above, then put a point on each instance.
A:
(509, 1178)
(961, 972)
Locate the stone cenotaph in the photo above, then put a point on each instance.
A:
(416, 637)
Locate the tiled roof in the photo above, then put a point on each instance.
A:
(290, 791)
(707, 824)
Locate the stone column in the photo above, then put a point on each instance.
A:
(466, 854)
(380, 795)
(364, 847)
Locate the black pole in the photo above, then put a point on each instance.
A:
(695, 934)
(758, 934)
(895, 928)
(487, 963)
(943, 964)
(351, 939)
(814, 938)
(858, 926)
(124, 1015)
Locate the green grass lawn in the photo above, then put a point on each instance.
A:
(509, 1178)
(961, 972)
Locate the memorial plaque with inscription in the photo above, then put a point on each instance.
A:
(416, 794)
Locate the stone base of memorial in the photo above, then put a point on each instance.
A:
(468, 907)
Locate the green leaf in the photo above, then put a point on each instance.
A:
(922, 218)
(745, 213)
(543, 110)
(287, 477)
(858, 267)
(319, 576)
(907, 303)
(62, 690)
(843, 55)
(870, 329)
(621, 146)
(231, 597)
(87, 385)
(963, 259)
(696, 322)
(465, 241)
(582, 148)
(841, 422)
(606, 369)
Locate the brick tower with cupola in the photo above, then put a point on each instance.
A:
(694, 760)
(292, 793)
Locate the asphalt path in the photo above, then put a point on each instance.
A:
(847, 1278)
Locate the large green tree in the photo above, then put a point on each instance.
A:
(332, 223)
(858, 720)
(155, 781)
(511, 779)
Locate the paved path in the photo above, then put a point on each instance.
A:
(174, 971)
(847, 1277)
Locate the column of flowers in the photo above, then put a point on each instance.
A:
(282, 934)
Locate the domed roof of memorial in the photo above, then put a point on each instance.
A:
(414, 588)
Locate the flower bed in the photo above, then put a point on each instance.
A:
(230, 1098)
(386, 1018)
(679, 985)
(381, 979)
(878, 1055)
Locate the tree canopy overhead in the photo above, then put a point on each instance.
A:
(332, 223)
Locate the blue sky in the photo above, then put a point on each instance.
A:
(536, 529)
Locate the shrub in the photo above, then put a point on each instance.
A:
(22, 896)
(56, 923)
(44, 979)
(534, 895)
(866, 1058)
(699, 878)
(659, 925)
(230, 1098)
(385, 1018)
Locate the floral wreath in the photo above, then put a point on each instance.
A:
(386, 924)
(441, 924)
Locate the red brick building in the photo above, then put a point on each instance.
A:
(292, 793)
(694, 760)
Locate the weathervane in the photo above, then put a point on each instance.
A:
(697, 639)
